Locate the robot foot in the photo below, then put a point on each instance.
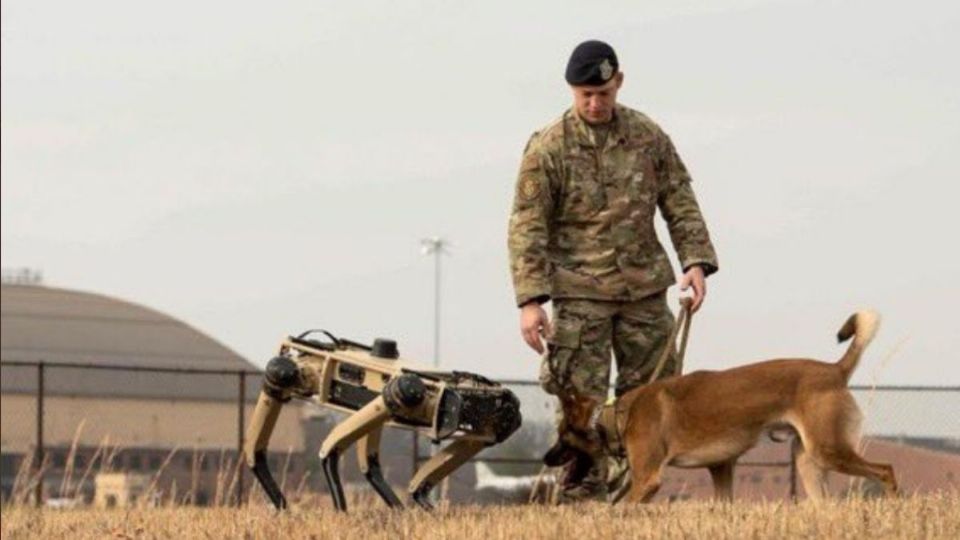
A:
(374, 475)
(422, 496)
(332, 473)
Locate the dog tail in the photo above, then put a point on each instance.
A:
(862, 326)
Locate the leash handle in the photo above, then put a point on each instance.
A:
(686, 304)
(682, 320)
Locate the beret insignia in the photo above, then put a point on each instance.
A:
(606, 69)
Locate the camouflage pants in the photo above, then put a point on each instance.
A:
(585, 331)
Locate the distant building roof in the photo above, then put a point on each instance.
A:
(49, 324)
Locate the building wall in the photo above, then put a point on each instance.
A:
(153, 423)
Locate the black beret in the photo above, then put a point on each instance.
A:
(592, 63)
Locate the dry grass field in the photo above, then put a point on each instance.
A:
(928, 516)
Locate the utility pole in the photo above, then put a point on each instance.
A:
(435, 246)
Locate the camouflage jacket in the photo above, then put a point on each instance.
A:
(582, 224)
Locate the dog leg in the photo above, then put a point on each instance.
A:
(813, 476)
(646, 470)
(832, 440)
(642, 490)
(722, 475)
(848, 461)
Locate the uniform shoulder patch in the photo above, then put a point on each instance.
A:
(529, 188)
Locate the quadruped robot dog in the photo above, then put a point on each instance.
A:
(376, 388)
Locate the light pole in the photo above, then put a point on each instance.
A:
(435, 246)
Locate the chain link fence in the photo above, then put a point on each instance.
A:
(70, 431)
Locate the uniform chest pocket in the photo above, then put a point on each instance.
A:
(641, 180)
(583, 193)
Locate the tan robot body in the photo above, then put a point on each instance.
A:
(377, 389)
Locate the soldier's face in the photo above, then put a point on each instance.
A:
(594, 104)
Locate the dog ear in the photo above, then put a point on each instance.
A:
(578, 410)
(559, 454)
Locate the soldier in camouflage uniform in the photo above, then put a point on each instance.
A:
(582, 235)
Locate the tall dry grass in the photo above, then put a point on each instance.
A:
(928, 516)
(226, 475)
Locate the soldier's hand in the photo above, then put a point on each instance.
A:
(694, 278)
(533, 324)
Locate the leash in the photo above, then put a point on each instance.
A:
(683, 320)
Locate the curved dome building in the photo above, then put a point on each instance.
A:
(46, 323)
(143, 418)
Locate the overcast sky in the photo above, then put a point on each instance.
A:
(257, 169)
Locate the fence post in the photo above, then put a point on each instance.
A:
(38, 451)
(241, 405)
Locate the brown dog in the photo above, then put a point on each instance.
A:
(710, 418)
